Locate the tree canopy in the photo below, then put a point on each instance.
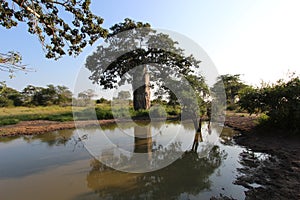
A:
(132, 47)
(137, 44)
(232, 84)
(35, 96)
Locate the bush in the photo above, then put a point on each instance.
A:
(140, 113)
(173, 110)
(280, 102)
(104, 114)
(8, 121)
(232, 107)
(102, 100)
(4, 102)
(157, 112)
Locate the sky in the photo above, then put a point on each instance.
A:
(259, 39)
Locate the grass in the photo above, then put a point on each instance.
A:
(13, 115)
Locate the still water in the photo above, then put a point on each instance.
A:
(56, 165)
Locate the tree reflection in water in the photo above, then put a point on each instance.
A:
(187, 175)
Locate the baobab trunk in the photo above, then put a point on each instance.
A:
(143, 140)
(141, 88)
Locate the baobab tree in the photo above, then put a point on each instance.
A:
(135, 53)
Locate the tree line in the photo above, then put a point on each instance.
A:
(278, 104)
(35, 96)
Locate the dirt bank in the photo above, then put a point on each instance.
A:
(274, 174)
(43, 126)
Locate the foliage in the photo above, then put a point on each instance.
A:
(280, 102)
(123, 95)
(49, 21)
(157, 111)
(35, 96)
(9, 97)
(159, 100)
(8, 121)
(87, 94)
(5, 102)
(52, 95)
(173, 110)
(139, 45)
(85, 98)
(102, 100)
(104, 113)
(140, 113)
(251, 100)
(232, 85)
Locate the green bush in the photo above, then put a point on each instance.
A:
(157, 112)
(140, 113)
(5, 102)
(104, 114)
(8, 121)
(280, 102)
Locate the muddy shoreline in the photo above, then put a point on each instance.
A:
(275, 177)
(277, 174)
(43, 126)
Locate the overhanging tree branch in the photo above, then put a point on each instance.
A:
(57, 35)
(11, 62)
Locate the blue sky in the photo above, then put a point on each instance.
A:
(256, 38)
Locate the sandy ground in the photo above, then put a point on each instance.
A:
(273, 175)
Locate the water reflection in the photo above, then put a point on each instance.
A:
(26, 155)
(198, 138)
(204, 169)
(189, 174)
(55, 138)
(139, 148)
(142, 139)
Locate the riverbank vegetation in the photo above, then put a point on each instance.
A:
(13, 115)
(277, 104)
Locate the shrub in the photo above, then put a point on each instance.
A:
(8, 121)
(104, 114)
(157, 112)
(280, 102)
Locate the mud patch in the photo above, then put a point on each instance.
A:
(273, 177)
